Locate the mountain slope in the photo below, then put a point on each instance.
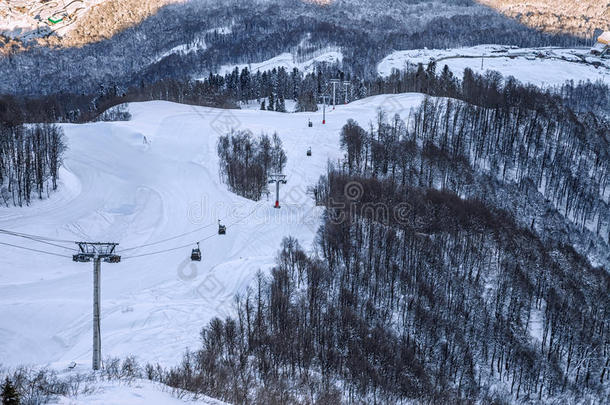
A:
(581, 17)
(139, 182)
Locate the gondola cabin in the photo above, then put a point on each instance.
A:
(196, 254)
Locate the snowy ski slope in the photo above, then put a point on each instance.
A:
(143, 181)
(541, 67)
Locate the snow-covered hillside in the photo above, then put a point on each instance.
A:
(289, 62)
(144, 181)
(542, 67)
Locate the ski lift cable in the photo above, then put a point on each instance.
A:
(38, 237)
(182, 235)
(48, 243)
(40, 241)
(167, 250)
(190, 244)
(167, 239)
(34, 250)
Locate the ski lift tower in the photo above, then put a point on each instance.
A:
(346, 84)
(325, 99)
(97, 253)
(334, 82)
(277, 179)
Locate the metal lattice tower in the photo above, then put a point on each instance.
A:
(325, 99)
(334, 82)
(346, 84)
(277, 179)
(96, 252)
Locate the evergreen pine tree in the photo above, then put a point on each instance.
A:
(263, 106)
(271, 105)
(9, 393)
(280, 106)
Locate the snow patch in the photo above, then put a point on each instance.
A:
(289, 61)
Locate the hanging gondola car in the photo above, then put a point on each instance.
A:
(196, 254)
(222, 229)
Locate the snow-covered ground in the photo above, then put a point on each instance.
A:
(539, 66)
(144, 181)
(139, 392)
(288, 61)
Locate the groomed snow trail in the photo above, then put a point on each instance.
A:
(147, 180)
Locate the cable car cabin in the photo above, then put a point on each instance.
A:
(81, 258)
(113, 259)
(196, 254)
(309, 152)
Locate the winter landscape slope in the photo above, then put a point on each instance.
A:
(546, 67)
(148, 180)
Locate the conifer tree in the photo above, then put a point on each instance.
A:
(10, 396)
(280, 106)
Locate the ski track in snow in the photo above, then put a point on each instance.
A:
(116, 187)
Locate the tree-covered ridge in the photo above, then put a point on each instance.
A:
(450, 303)
(247, 31)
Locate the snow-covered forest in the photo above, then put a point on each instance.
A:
(248, 31)
(30, 158)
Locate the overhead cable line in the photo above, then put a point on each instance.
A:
(167, 239)
(34, 250)
(38, 237)
(190, 244)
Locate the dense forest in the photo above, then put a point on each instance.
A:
(445, 300)
(560, 163)
(30, 158)
(276, 86)
(247, 162)
(213, 34)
